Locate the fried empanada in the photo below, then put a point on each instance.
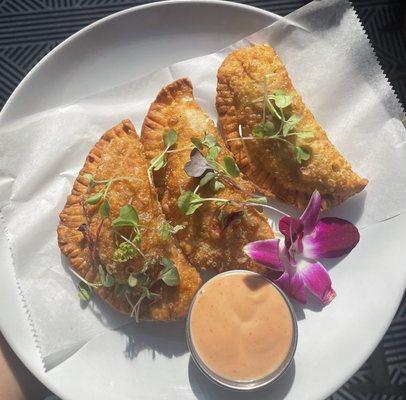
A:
(90, 233)
(298, 160)
(207, 240)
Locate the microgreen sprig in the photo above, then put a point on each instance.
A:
(159, 161)
(189, 202)
(276, 125)
(101, 195)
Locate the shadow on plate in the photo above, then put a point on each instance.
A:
(168, 339)
(204, 389)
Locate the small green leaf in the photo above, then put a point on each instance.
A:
(94, 199)
(216, 185)
(89, 178)
(269, 128)
(185, 202)
(109, 281)
(231, 166)
(197, 143)
(258, 131)
(209, 141)
(177, 228)
(213, 152)
(257, 200)
(84, 291)
(282, 99)
(120, 289)
(170, 138)
(104, 209)
(102, 273)
(128, 217)
(206, 178)
(166, 231)
(304, 135)
(169, 273)
(158, 162)
(132, 280)
(290, 123)
(301, 154)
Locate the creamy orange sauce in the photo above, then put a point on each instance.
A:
(241, 326)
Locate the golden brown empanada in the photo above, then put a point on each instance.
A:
(88, 240)
(273, 164)
(206, 240)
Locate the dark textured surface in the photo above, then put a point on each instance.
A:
(29, 29)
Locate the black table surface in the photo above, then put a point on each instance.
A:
(29, 29)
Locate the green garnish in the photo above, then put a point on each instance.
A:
(168, 229)
(276, 125)
(189, 202)
(169, 138)
(127, 231)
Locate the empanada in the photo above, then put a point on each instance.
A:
(288, 159)
(99, 249)
(213, 236)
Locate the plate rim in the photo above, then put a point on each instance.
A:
(46, 380)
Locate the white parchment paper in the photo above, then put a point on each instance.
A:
(332, 65)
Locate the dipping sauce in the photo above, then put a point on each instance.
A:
(241, 327)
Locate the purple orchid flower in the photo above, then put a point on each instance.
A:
(293, 266)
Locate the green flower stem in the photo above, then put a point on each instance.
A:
(90, 284)
(264, 206)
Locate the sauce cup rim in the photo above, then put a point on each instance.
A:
(243, 385)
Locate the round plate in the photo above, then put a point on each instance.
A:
(129, 363)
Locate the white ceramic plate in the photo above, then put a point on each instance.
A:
(333, 343)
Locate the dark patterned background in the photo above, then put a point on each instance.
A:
(29, 29)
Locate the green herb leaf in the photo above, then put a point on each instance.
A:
(185, 202)
(301, 154)
(258, 131)
(231, 166)
(257, 200)
(128, 217)
(170, 138)
(206, 178)
(84, 291)
(124, 252)
(132, 281)
(282, 99)
(94, 199)
(167, 229)
(104, 209)
(209, 141)
(109, 281)
(304, 135)
(120, 289)
(158, 162)
(143, 279)
(290, 123)
(216, 185)
(213, 152)
(169, 273)
(197, 143)
(102, 273)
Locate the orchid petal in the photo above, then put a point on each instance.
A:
(332, 237)
(265, 252)
(310, 216)
(318, 282)
(293, 286)
(291, 228)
